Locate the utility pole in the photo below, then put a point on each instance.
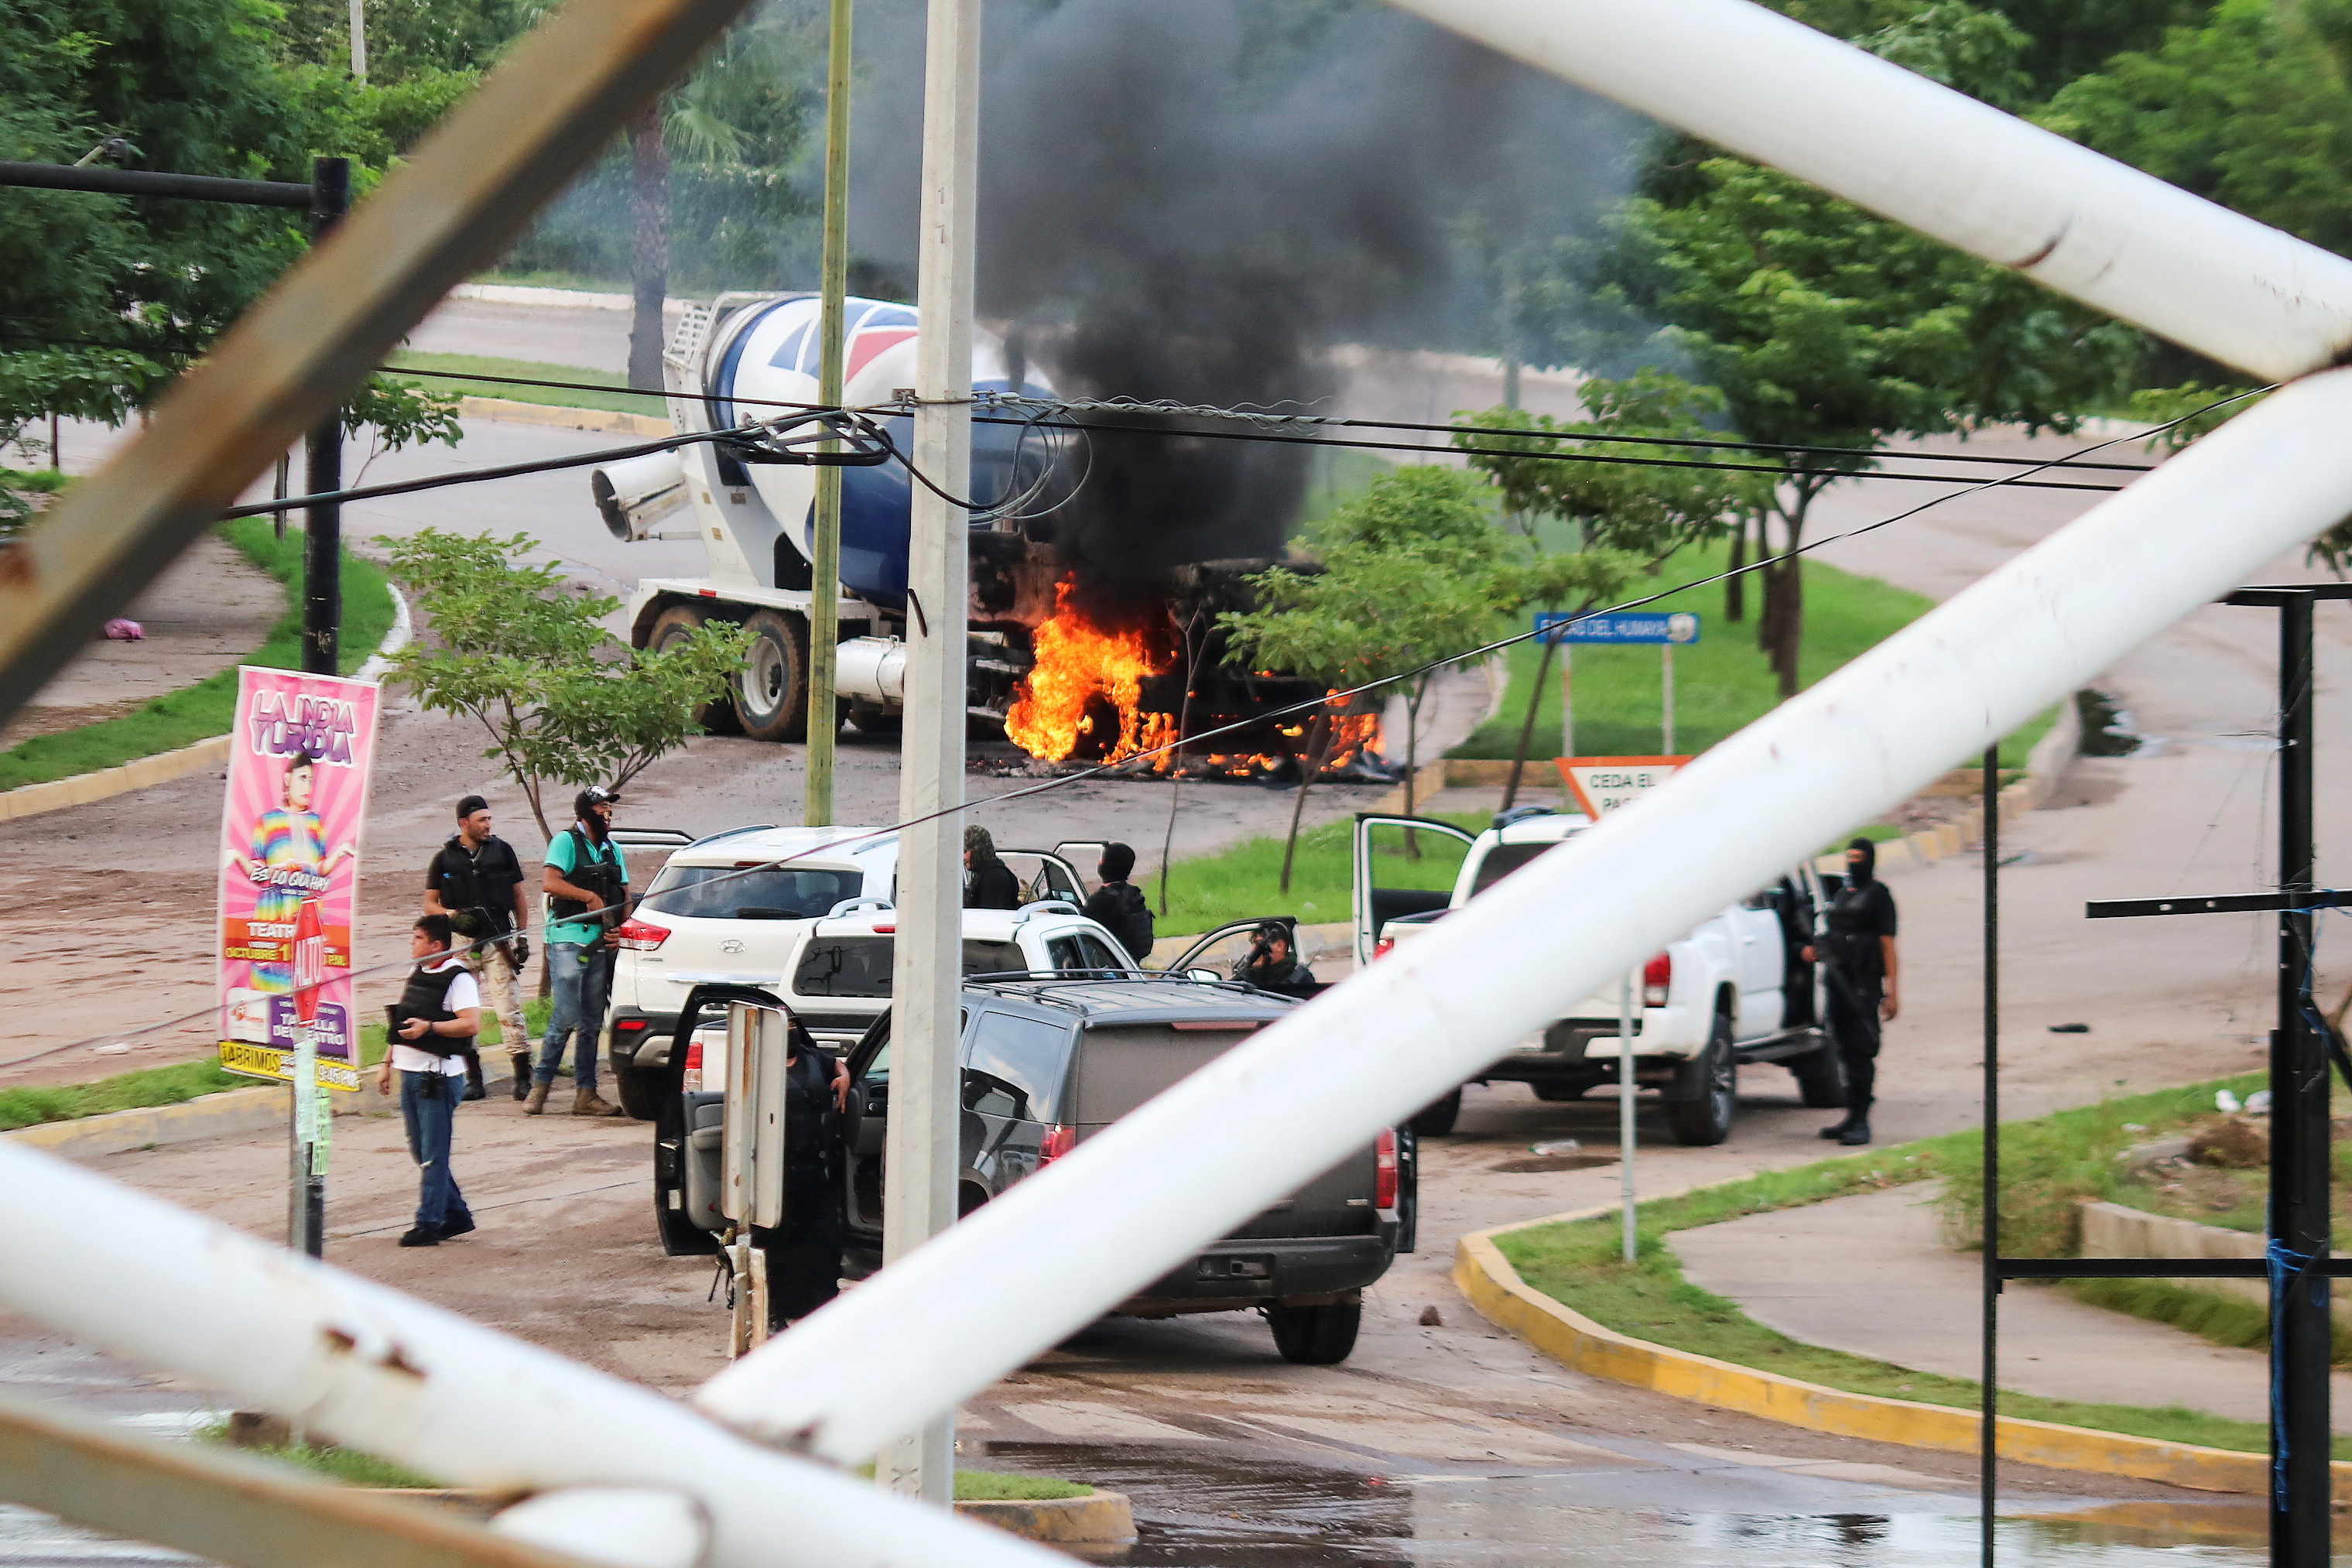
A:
(358, 40)
(824, 569)
(919, 1196)
(307, 1130)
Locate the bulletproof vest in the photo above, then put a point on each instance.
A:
(426, 997)
(602, 878)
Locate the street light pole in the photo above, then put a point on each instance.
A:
(825, 556)
(308, 1129)
(919, 1196)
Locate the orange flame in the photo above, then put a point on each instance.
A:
(1077, 663)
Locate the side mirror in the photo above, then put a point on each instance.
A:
(1199, 973)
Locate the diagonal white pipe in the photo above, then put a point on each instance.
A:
(1103, 1223)
(382, 1371)
(1779, 92)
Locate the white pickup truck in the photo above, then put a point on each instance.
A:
(1737, 992)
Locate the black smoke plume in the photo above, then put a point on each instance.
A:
(1191, 200)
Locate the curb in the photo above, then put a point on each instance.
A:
(144, 773)
(551, 413)
(1484, 1277)
(254, 1110)
(31, 800)
(1098, 1519)
(2044, 766)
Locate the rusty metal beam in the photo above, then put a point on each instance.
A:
(472, 185)
(227, 1508)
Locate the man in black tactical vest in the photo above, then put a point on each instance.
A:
(431, 1027)
(477, 880)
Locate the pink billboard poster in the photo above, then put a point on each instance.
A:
(289, 871)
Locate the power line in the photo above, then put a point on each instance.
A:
(1063, 781)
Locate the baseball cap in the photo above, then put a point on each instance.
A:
(594, 796)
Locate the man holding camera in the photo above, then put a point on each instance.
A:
(588, 884)
(432, 1024)
(1272, 965)
(476, 879)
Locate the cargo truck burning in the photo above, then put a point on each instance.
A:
(1077, 658)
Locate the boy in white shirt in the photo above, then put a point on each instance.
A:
(436, 1019)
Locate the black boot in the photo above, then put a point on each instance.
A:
(474, 1090)
(1856, 1130)
(521, 1060)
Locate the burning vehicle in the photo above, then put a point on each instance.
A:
(1073, 661)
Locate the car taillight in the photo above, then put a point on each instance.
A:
(1380, 948)
(1059, 1141)
(1384, 1170)
(692, 1082)
(641, 936)
(1657, 979)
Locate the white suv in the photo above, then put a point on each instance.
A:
(723, 912)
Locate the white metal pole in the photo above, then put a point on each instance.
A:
(358, 40)
(1777, 91)
(1625, 1104)
(1269, 1115)
(919, 1197)
(363, 1366)
(1667, 699)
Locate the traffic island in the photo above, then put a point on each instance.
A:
(1560, 1284)
(1094, 1518)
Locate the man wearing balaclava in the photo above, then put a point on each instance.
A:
(1856, 951)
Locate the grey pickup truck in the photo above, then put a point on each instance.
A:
(1049, 1062)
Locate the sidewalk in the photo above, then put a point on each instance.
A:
(1871, 1275)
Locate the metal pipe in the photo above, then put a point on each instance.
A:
(152, 182)
(366, 1366)
(926, 1108)
(2300, 1224)
(1970, 671)
(824, 552)
(1989, 1285)
(1775, 91)
(468, 188)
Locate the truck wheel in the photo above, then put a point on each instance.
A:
(772, 693)
(639, 1091)
(673, 626)
(1437, 1118)
(1316, 1336)
(1705, 1119)
(1820, 1077)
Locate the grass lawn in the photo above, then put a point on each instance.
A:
(1580, 1264)
(34, 1104)
(1245, 881)
(190, 714)
(620, 398)
(1722, 682)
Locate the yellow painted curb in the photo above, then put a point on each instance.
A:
(515, 413)
(1098, 1519)
(31, 800)
(1494, 1288)
(230, 1110)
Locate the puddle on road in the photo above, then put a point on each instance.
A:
(1195, 1512)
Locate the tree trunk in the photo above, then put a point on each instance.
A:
(1318, 742)
(1785, 603)
(1735, 587)
(648, 246)
(1528, 726)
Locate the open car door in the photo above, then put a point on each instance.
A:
(1045, 874)
(1221, 949)
(1404, 865)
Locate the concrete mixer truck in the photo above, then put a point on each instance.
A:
(757, 525)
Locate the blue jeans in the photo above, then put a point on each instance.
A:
(581, 977)
(429, 1109)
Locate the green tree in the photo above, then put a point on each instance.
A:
(515, 650)
(1824, 326)
(1410, 571)
(104, 297)
(2252, 111)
